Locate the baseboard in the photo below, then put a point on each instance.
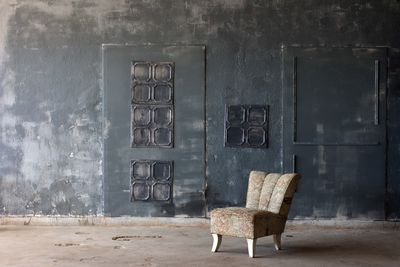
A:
(350, 224)
(101, 221)
(178, 221)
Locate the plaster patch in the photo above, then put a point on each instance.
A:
(7, 96)
(198, 125)
(106, 128)
(59, 178)
(107, 16)
(40, 27)
(9, 178)
(322, 168)
(197, 15)
(101, 6)
(6, 11)
(9, 135)
(230, 4)
(59, 9)
(38, 156)
(342, 211)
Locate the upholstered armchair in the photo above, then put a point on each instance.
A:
(269, 197)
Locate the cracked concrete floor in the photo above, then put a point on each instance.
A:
(190, 246)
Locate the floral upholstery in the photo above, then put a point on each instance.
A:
(283, 193)
(244, 222)
(267, 207)
(256, 181)
(267, 189)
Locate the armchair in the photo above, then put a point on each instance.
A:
(268, 201)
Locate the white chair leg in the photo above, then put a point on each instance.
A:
(277, 241)
(216, 242)
(251, 246)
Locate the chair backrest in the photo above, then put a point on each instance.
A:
(272, 192)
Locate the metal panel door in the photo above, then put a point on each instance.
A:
(154, 130)
(335, 130)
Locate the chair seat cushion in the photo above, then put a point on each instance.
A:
(244, 222)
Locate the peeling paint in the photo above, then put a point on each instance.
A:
(59, 9)
(229, 4)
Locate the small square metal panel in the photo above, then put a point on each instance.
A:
(246, 126)
(152, 104)
(151, 180)
(152, 82)
(152, 126)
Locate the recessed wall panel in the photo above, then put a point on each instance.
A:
(142, 118)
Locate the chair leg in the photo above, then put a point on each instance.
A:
(251, 246)
(216, 242)
(277, 241)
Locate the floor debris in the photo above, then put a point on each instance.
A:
(82, 233)
(130, 237)
(66, 245)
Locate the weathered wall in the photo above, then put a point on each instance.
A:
(50, 94)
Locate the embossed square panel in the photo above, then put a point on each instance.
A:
(163, 115)
(162, 170)
(236, 114)
(246, 126)
(162, 72)
(141, 93)
(151, 180)
(141, 115)
(140, 137)
(162, 93)
(141, 71)
(140, 191)
(257, 115)
(256, 136)
(140, 170)
(163, 137)
(235, 136)
(161, 191)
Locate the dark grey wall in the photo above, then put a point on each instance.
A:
(50, 93)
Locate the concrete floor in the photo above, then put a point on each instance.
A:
(190, 246)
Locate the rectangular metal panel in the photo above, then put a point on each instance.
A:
(333, 91)
(344, 181)
(333, 107)
(154, 98)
